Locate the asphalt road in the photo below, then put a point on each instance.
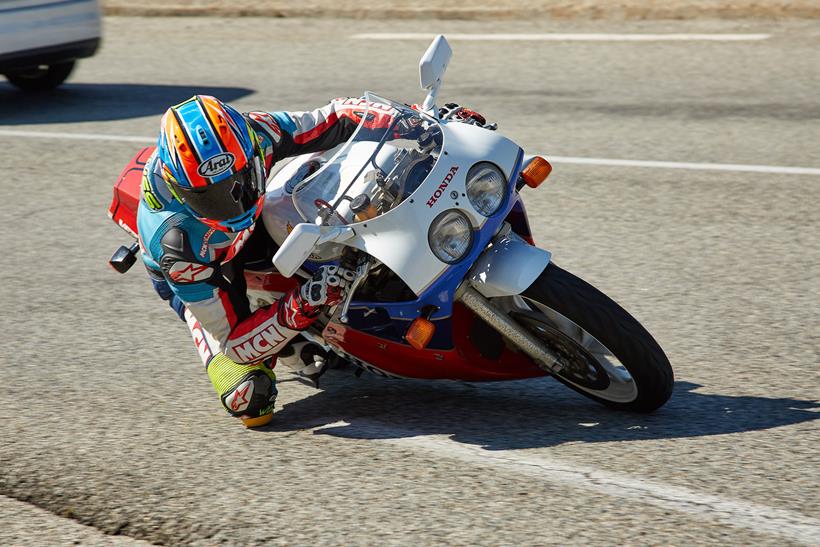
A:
(107, 418)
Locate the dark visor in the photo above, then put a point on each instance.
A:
(225, 199)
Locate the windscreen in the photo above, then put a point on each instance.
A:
(388, 156)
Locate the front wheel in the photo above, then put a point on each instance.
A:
(605, 352)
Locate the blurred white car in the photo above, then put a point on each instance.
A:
(41, 40)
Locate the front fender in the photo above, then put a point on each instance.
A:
(508, 267)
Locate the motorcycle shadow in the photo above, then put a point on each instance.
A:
(76, 102)
(524, 414)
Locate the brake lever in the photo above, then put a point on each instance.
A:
(361, 273)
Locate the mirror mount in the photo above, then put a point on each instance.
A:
(432, 67)
(301, 241)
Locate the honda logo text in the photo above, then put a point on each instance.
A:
(442, 187)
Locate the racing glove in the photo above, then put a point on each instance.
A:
(327, 287)
(454, 112)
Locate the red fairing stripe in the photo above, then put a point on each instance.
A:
(462, 363)
(124, 205)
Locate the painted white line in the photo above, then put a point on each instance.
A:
(741, 514)
(554, 159)
(556, 37)
(74, 136)
(687, 165)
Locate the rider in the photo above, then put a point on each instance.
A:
(202, 192)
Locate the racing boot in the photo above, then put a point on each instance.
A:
(305, 359)
(247, 392)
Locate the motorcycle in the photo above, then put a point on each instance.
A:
(449, 284)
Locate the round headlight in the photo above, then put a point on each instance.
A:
(450, 236)
(486, 187)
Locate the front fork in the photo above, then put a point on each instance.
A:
(507, 268)
(508, 328)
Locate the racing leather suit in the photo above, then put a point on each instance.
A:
(200, 270)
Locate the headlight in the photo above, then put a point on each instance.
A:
(486, 187)
(450, 236)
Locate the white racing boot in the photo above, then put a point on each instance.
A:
(305, 359)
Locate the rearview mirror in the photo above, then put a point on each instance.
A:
(432, 67)
(296, 248)
(301, 242)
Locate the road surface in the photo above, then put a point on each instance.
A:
(107, 418)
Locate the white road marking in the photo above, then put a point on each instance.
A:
(73, 136)
(553, 159)
(688, 165)
(557, 37)
(742, 514)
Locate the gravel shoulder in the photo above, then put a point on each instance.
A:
(473, 9)
(25, 524)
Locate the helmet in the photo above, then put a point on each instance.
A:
(211, 161)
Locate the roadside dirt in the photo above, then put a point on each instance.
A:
(475, 9)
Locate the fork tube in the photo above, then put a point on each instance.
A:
(508, 328)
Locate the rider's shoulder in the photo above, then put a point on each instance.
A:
(186, 252)
(191, 240)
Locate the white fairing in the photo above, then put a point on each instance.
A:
(508, 268)
(398, 238)
(279, 215)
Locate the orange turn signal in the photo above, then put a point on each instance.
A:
(420, 333)
(536, 172)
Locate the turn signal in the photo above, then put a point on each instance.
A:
(420, 333)
(536, 172)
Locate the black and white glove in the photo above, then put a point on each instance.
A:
(327, 287)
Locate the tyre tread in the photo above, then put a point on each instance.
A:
(613, 326)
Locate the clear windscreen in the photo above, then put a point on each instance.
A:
(388, 156)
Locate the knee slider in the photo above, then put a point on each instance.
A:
(253, 396)
(246, 392)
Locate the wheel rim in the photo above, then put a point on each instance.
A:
(594, 368)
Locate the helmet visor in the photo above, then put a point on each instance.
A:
(225, 199)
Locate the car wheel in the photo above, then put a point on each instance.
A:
(41, 78)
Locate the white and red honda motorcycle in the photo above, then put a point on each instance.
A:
(449, 283)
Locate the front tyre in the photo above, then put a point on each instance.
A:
(607, 355)
(41, 78)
